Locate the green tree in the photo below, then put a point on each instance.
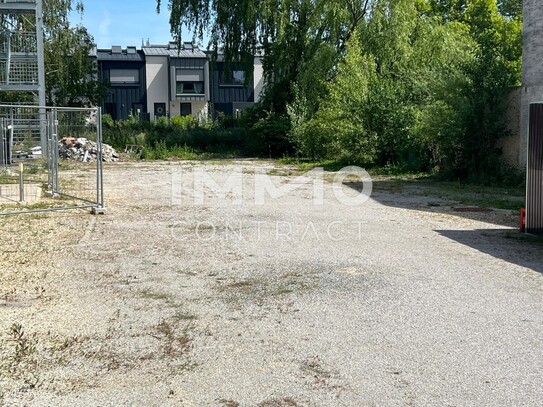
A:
(378, 103)
(339, 128)
(496, 29)
(288, 32)
(71, 74)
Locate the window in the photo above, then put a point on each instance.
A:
(189, 88)
(124, 76)
(189, 81)
(232, 78)
(186, 109)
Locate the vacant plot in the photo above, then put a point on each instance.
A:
(168, 301)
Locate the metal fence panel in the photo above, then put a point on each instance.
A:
(534, 182)
(66, 174)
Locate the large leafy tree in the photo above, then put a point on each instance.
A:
(394, 81)
(71, 75)
(496, 29)
(288, 32)
(400, 69)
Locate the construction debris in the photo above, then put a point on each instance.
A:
(82, 149)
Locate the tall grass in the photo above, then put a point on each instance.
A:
(182, 139)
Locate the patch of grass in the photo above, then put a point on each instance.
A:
(307, 165)
(313, 367)
(282, 172)
(261, 289)
(153, 295)
(21, 362)
(8, 180)
(279, 402)
(187, 273)
(184, 316)
(229, 403)
(509, 198)
(174, 343)
(487, 197)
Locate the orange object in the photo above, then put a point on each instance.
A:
(522, 220)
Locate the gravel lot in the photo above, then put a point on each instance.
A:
(161, 302)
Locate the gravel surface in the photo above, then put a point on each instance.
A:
(161, 302)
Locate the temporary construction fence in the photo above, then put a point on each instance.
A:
(51, 158)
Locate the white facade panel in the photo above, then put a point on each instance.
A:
(199, 109)
(258, 77)
(157, 82)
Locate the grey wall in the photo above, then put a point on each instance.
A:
(124, 96)
(510, 145)
(532, 68)
(228, 98)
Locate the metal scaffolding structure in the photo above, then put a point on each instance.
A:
(22, 67)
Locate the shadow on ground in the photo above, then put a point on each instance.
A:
(506, 243)
(466, 201)
(511, 246)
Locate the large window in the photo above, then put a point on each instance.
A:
(189, 88)
(232, 78)
(189, 82)
(124, 76)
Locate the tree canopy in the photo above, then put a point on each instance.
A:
(419, 83)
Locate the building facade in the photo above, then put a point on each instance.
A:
(124, 70)
(532, 69)
(165, 80)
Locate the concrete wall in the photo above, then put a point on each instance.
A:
(532, 68)
(510, 145)
(157, 82)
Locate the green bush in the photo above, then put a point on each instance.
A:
(184, 138)
(107, 121)
(184, 122)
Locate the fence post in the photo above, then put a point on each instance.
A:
(100, 209)
(21, 182)
(56, 185)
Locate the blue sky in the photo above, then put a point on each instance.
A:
(113, 22)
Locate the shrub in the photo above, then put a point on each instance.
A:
(184, 122)
(107, 121)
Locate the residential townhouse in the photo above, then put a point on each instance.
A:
(124, 70)
(163, 80)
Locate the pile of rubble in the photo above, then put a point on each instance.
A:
(82, 149)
